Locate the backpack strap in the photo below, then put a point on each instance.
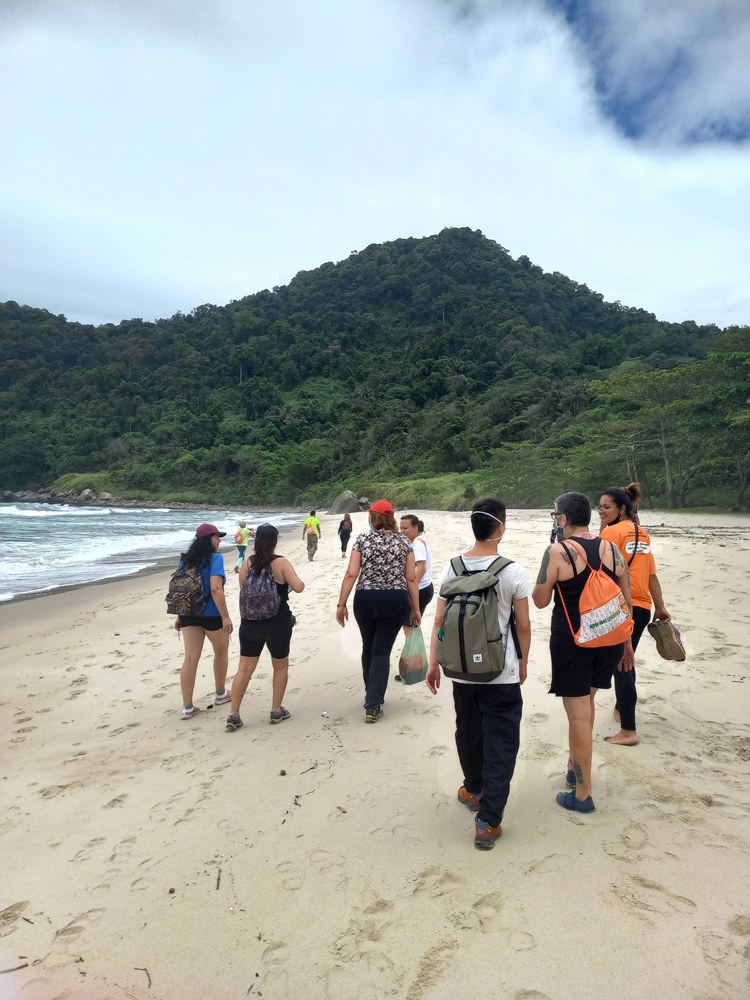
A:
(635, 547)
(569, 554)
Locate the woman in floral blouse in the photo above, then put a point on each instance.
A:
(382, 566)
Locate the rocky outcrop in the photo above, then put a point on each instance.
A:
(348, 503)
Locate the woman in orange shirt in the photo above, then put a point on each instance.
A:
(619, 524)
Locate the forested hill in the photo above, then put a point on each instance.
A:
(407, 362)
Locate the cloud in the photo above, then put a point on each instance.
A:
(199, 152)
(672, 71)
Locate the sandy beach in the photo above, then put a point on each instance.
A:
(152, 858)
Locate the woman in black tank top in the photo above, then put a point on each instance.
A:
(571, 590)
(578, 672)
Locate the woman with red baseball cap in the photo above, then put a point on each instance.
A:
(212, 622)
(382, 567)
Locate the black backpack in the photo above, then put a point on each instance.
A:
(186, 594)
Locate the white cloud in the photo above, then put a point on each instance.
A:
(194, 153)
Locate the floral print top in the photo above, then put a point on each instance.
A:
(383, 556)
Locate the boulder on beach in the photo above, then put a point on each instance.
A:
(345, 503)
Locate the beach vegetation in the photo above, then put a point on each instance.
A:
(428, 370)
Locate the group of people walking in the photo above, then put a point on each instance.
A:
(390, 573)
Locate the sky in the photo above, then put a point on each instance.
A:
(163, 154)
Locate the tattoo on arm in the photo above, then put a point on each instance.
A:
(542, 578)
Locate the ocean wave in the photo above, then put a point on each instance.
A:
(53, 510)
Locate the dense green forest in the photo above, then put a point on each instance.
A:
(431, 370)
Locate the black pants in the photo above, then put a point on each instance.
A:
(380, 615)
(488, 727)
(425, 596)
(626, 696)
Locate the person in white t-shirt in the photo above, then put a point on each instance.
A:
(413, 529)
(488, 713)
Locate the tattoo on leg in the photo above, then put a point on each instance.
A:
(578, 771)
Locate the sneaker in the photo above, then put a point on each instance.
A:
(222, 699)
(234, 722)
(189, 713)
(568, 800)
(485, 835)
(279, 715)
(668, 640)
(468, 799)
(374, 714)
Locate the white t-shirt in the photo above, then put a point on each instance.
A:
(512, 584)
(423, 553)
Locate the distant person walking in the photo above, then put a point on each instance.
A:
(212, 622)
(265, 577)
(488, 712)
(241, 537)
(382, 567)
(578, 672)
(311, 531)
(619, 524)
(345, 533)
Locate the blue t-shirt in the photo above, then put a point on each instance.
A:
(214, 568)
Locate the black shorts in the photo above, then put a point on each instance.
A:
(425, 596)
(276, 633)
(575, 670)
(211, 623)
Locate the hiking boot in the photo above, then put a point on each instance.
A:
(374, 714)
(234, 722)
(279, 715)
(468, 799)
(485, 835)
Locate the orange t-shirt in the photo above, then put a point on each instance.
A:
(642, 567)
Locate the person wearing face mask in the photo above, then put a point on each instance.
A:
(381, 565)
(619, 524)
(488, 713)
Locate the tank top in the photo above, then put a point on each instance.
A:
(573, 588)
(283, 588)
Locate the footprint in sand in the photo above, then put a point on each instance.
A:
(275, 953)
(437, 751)
(487, 908)
(435, 881)
(10, 915)
(119, 800)
(521, 941)
(634, 836)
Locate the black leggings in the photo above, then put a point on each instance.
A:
(380, 615)
(626, 696)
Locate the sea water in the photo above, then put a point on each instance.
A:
(47, 546)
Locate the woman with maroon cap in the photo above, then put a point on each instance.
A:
(382, 566)
(213, 621)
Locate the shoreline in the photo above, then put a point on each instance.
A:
(158, 564)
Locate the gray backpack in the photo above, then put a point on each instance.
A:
(470, 639)
(259, 596)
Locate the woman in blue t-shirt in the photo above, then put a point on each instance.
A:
(213, 621)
